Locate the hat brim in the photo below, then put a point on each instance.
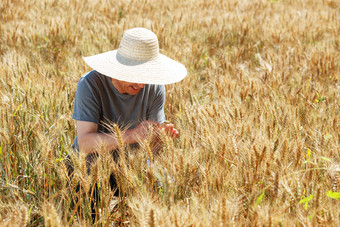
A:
(162, 70)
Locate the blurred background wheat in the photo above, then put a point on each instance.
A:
(258, 114)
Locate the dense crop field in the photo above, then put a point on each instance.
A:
(258, 113)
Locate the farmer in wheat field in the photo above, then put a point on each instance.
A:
(126, 87)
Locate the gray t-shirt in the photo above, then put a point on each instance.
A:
(98, 101)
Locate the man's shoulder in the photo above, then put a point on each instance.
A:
(156, 89)
(92, 76)
(92, 79)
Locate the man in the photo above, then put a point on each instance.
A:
(126, 87)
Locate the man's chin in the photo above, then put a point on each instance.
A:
(134, 92)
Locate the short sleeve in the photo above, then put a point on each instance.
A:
(156, 110)
(86, 103)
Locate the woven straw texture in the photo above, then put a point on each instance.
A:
(137, 60)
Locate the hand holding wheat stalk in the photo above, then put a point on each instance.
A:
(169, 129)
(155, 133)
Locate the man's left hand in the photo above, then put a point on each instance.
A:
(170, 130)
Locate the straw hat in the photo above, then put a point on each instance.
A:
(137, 60)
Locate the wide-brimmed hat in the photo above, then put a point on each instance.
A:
(137, 60)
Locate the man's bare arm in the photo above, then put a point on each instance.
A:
(90, 140)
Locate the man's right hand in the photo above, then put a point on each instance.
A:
(143, 130)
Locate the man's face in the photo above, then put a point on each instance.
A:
(127, 87)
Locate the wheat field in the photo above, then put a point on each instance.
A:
(258, 114)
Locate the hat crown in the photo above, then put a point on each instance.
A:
(139, 44)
